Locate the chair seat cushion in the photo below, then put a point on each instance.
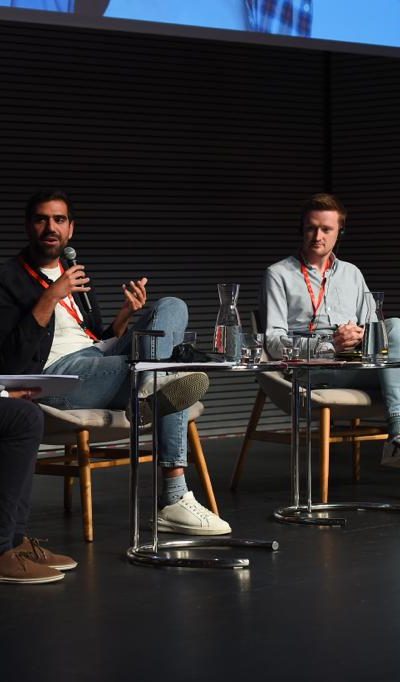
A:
(348, 403)
(61, 426)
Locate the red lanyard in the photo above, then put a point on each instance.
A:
(71, 309)
(315, 303)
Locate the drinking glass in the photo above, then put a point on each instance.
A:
(324, 347)
(291, 344)
(251, 347)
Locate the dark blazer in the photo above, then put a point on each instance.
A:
(24, 344)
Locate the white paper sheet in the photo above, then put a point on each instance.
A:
(50, 384)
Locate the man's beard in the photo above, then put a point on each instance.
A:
(44, 253)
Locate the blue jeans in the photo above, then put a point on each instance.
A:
(388, 380)
(105, 376)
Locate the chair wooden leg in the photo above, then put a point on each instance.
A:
(68, 480)
(85, 479)
(356, 453)
(201, 465)
(251, 427)
(325, 429)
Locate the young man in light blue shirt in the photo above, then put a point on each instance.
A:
(314, 291)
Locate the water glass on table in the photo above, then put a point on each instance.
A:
(291, 344)
(251, 347)
(324, 347)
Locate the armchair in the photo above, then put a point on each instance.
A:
(77, 430)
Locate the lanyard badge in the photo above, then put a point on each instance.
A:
(315, 302)
(70, 308)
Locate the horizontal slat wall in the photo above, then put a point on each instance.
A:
(187, 161)
(366, 167)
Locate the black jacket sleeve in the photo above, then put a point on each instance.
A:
(23, 342)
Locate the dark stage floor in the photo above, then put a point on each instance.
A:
(326, 606)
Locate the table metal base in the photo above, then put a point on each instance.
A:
(146, 554)
(303, 514)
(309, 514)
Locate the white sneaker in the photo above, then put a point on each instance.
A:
(177, 391)
(189, 517)
(391, 453)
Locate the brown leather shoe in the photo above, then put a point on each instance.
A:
(16, 568)
(33, 551)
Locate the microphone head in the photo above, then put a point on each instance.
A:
(69, 253)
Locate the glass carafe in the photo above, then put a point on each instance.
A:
(375, 340)
(227, 339)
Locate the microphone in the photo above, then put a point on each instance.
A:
(70, 257)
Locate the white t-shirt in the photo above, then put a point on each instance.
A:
(68, 334)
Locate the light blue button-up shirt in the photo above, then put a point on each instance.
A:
(285, 303)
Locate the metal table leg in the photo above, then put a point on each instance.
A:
(171, 552)
(295, 445)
